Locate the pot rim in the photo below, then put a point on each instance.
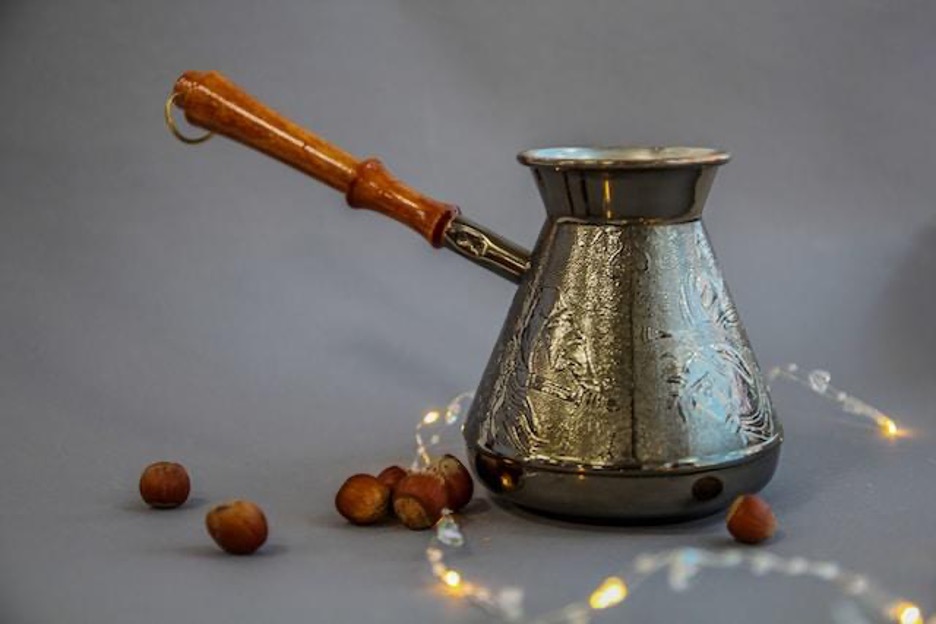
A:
(623, 157)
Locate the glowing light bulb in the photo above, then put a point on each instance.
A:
(889, 428)
(907, 613)
(430, 417)
(452, 579)
(612, 591)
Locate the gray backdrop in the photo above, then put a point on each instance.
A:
(212, 306)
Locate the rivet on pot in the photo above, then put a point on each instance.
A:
(707, 488)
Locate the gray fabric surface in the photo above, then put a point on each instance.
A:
(211, 306)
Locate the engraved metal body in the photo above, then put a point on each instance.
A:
(623, 385)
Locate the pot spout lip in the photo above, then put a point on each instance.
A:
(623, 157)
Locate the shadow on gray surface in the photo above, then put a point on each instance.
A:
(477, 506)
(213, 552)
(139, 506)
(662, 528)
(698, 531)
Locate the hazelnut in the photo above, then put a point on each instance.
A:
(362, 499)
(238, 527)
(391, 475)
(750, 520)
(164, 485)
(457, 479)
(419, 499)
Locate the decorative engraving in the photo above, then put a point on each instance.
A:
(717, 380)
(610, 358)
(716, 384)
(509, 394)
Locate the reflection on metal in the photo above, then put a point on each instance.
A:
(487, 249)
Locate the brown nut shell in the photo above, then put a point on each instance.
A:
(363, 499)
(750, 520)
(238, 527)
(419, 499)
(165, 485)
(457, 479)
(391, 476)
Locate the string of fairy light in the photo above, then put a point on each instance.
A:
(817, 381)
(680, 566)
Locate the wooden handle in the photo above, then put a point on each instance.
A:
(213, 102)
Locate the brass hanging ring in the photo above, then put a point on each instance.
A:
(174, 129)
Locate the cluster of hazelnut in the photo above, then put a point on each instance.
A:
(238, 527)
(416, 498)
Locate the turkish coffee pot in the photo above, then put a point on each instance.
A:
(623, 386)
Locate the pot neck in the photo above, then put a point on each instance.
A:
(651, 185)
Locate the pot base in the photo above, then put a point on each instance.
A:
(636, 496)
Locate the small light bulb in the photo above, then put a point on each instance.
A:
(430, 417)
(612, 591)
(907, 613)
(452, 579)
(890, 429)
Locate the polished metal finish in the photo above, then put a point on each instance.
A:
(658, 185)
(638, 496)
(487, 249)
(623, 385)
